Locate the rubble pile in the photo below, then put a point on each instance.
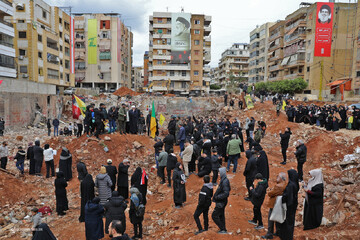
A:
(336, 153)
(124, 91)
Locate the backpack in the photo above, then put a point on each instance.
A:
(139, 207)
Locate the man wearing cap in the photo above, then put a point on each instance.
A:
(111, 171)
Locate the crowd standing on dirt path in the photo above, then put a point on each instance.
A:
(207, 143)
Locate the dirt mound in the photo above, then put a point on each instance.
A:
(124, 91)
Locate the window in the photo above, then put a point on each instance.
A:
(357, 73)
(40, 55)
(172, 73)
(60, 20)
(196, 73)
(23, 69)
(67, 77)
(67, 64)
(183, 85)
(60, 34)
(61, 48)
(41, 71)
(21, 21)
(160, 31)
(159, 62)
(196, 21)
(183, 73)
(308, 69)
(22, 52)
(44, 14)
(160, 20)
(197, 31)
(197, 42)
(197, 52)
(39, 38)
(52, 73)
(196, 62)
(22, 34)
(159, 72)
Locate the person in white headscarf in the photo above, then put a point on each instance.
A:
(313, 206)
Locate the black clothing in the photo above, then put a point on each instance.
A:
(123, 181)
(139, 183)
(285, 138)
(300, 154)
(290, 197)
(39, 157)
(136, 220)
(221, 198)
(250, 172)
(30, 156)
(43, 232)
(112, 171)
(82, 171)
(313, 209)
(262, 165)
(115, 210)
(94, 226)
(169, 141)
(65, 163)
(204, 166)
(204, 203)
(60, 192)
(87, 194)
(158, 146)
(179, 187)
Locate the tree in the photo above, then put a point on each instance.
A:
(284, 86)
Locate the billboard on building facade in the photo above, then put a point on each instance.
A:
(180, 37)
(92, 41)
(119, 41)
(323, 30)
(72, 48)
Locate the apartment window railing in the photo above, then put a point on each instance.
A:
(52, 46)
(6, 23)
(274, 35)
(293, 25)
(7, 65)
(6, 44)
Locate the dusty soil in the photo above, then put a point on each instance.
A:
(124, 91)
(163, 221)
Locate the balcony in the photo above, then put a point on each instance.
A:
(162, 25)
(208, 19)
(293, 76)
(207, 39)
(207, 30)
(6, 8)
(295, 24)
(6, 23)
(52, 44)
(161, 57)
(296, 35)
(173, 78)
(105, 56)
(159, 35)
(274, 68)
(172, 67)
(274, 36)
(277, 78)
(165, 46)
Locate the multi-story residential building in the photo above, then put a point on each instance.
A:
(259, 44)
(146, 68)
(137, 78)
(7, 51)
(294, 44)
(179, 51)
(103, 51)
(234, 62)
(355, 84)
(276, 53)
(330, 77)
(42, 41)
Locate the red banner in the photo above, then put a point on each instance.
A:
(323, 31)
(119, 41)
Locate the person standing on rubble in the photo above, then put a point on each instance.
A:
(60, 193)
(112, 114)
(30, 157)
(4, 153)
(111, 171)
(20, 158)
(65, 163)
(284, 142)
(87, 192)
(2, 127)
(123, 178)
(179, 181)
(122, 119)
(103, 183)
(99, 118)
(300, 154)
(39, 157)
(56, 124)
(139, 180)
(48, 124)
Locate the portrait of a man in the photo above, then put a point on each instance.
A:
(324, 14)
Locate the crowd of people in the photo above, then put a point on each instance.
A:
(331, 117)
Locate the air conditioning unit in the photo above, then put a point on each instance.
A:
(21, 57)
(20, 6)
(25, 75)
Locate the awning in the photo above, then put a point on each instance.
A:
(336, 83)
(285, 61)
(346, 82)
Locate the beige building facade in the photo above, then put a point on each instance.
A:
(110, 66)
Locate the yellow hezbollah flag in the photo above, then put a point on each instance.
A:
(81, 105)
(161, 120)
(153, 121)
(92, 41)
(249, 102)
(284, 105)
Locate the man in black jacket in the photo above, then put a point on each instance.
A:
(169, 141)
(221, 198)
(170, 165)
(158, 146)
(123, 179)
(115, 210)
(257, 199)
(99, 118)
(284, 142)
(39, 157)
(204, 165)
(204, 204)
(300, 154)
(250, 170)
(111, 171)
(262, 163)
(172, 126)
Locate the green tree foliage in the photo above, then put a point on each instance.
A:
(215, 87)
(284, 86)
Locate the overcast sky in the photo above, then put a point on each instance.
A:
(232, 20)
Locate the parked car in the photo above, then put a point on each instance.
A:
(102, 90)
(112, 90)
(69, 91)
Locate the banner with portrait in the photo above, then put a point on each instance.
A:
(323, 30)
(180, 37)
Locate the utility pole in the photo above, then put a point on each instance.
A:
(321, 79)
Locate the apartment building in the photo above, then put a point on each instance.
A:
(43, 36)
(7, 51)
(137, 78)
(294, 44)
(146, 68)
(331, 77)
(234, 62)
(259, 45)
(103, 51)
(275, 52)
(179, 52)
(355, 83)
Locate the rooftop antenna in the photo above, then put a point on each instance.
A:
(182, 9)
